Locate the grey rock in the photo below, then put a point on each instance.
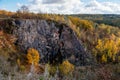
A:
(54, 41)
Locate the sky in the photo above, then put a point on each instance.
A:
(64, 6)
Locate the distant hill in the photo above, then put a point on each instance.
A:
(109, 19)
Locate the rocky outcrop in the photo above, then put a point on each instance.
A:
(54, 41)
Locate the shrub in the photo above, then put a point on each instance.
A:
(66, 67)
(52, 69)
(33, 56)
(22, 68)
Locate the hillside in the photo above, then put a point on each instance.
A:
(51, 46)
(108, 19)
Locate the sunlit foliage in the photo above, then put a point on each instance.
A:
(4, 14)
(66, 67)
(33, 56)
(82, 24)
(106, 50)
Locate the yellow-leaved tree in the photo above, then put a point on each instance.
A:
(106, 50)
(66, 67)
(33, 56)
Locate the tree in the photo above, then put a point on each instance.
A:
(24, 9)
(33, 56)
(106, 49)
(82, 24)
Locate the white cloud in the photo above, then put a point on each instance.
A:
(96, 7)
(73, 6)
(115, 8)
(54, 6)
(53, 1)
(19, 4)
(103, 7)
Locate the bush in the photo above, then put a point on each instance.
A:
(52, 69)
(33, 56)
(66, 67)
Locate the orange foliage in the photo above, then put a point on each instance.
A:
(7, 13)
(33, 56)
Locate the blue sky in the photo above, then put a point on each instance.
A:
(11, 4)
(65, 6)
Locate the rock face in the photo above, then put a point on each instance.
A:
(54, 41)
